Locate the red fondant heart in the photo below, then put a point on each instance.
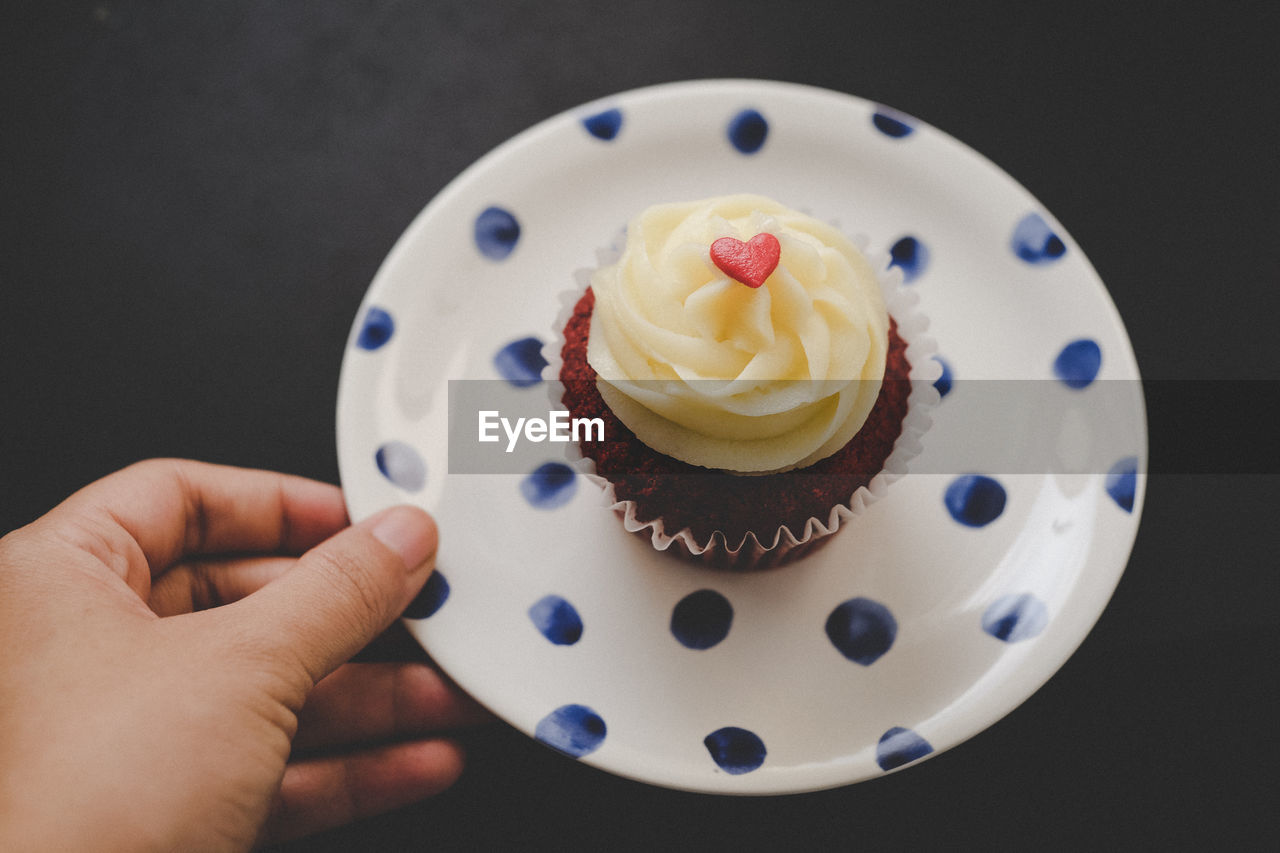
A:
(751, 262)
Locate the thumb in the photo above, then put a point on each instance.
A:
(345, 591)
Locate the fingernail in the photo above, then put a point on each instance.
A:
(408, 531)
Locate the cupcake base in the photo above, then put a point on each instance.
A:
(731, 521)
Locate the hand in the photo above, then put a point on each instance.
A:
(161, 643)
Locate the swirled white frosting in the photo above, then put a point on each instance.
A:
(715, 373)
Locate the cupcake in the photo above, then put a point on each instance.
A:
(753, 372)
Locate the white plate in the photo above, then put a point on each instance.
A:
(627, 696)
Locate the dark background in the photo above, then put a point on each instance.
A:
(194, 197)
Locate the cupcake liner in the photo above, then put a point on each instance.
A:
(786, 545)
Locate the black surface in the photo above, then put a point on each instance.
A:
(195, 197)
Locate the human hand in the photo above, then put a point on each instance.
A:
(161, 643)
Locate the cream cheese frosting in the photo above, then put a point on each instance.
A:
(705, 369)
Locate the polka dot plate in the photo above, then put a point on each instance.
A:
(932, 615)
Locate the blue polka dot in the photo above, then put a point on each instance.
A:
(701, 619)
(900, 746)
(402, 465)
(521, 362)
(862, 630)
(1015, 617)
(735, 750)
(604, 125)
(891, 125)
(1122, 482)
(430, 598)
(557, 620)
(943, 382)
(1078, 363)
(573, 729)
(975, 500)
(911, 256)
(496, 233)
(1034, 241)
(747, 131)
(377, 329)
(551, 485)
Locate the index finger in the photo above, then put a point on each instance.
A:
(162, 510)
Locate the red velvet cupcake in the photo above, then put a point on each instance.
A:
(755, 389)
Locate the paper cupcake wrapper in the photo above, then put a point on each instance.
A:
(786, 545)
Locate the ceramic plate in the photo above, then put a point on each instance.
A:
(936, 612)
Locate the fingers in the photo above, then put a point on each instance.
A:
(327, 792)
(364, 702)
(340, 594)
(153, 513)
(205, 583)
